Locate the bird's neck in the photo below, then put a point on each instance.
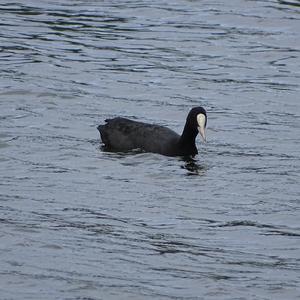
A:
(187, 139)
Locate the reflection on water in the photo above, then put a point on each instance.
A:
(193, 166)
(81, 223)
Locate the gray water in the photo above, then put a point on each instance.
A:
(80, 223)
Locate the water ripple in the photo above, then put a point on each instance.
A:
(87, 223)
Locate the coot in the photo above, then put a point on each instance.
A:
(121, 134)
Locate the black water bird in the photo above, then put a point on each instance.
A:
(121, 135)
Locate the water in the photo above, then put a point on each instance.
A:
(80, 223)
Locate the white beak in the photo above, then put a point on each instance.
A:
(202, 133)
(201, 128)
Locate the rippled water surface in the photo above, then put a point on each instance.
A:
(80, 223)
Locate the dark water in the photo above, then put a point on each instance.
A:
(79, 223)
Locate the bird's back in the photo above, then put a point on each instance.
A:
(121, 134)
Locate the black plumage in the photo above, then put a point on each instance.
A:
(121, 135)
